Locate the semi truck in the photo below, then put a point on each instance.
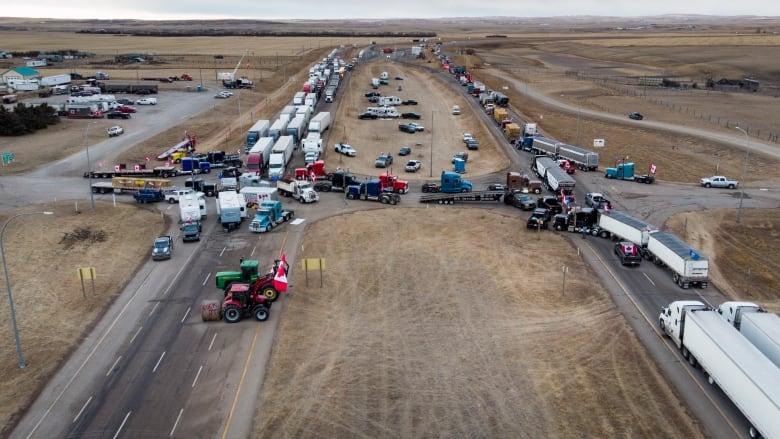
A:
(559, 181)
(312, 143)
(278, 128)
(523, 183)
(320, 122)
(625, 171)
(372, 190)
(295, 129)
(583, 159)
(119, 185)
(689, 268)
(269, 214)
(625, 228)
(544, 146)
(298, 98)
(760, 327)
(139, 170)
(541, 164)
(257, 159)
(280, 156)
(54, 80)
(745, 375)
(257, 131)
(300, 190)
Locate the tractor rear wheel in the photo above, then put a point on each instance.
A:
(232, 314)
(261, 313)
(270, 293)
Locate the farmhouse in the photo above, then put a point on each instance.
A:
(18, 73)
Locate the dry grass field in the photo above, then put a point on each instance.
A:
(456, 334)
(468, 340)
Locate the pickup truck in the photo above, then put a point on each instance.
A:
(719, 181)
(343, 148)
(162, 248)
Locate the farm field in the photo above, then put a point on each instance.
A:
(408, 372)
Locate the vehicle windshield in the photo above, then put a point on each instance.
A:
(190, 227)
(161, 244)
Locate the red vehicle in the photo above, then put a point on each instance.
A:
(241, 301)
(392, 181)
(125, 109)
(317, 169)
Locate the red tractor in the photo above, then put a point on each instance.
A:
(242, 301)
(249, 275)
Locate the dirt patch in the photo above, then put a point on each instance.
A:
(435, 338)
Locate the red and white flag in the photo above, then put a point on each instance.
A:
(313, 179)
(280, 280)
(652, 168)
(148, 158)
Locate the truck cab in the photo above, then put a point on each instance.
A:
(732, 312)
(451, 182)
(672, 318)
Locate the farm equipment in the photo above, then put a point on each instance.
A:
(259, 284)
(240, 301)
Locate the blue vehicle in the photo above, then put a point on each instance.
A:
(372, 190)
(148, 196)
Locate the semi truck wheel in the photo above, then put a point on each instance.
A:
(232, 314)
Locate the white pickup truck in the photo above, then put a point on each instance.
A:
(719, 181)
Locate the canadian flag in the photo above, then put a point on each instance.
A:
(313, 179)
(280, 280)
(652, 168)
(148, 158)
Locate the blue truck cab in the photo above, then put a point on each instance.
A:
(451, 182)
(623, 171)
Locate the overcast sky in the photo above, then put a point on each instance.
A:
(339, 9)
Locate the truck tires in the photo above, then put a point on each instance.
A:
(261, 313)
(171, 201)
(232, 314)
(350, 197)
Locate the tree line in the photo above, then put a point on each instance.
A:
(26, 119)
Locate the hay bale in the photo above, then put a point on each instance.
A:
(211, 310)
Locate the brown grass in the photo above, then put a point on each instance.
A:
(53, 313)
(439, 340)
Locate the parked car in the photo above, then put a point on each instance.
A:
(461, 155)
(223, 94)
(310, 157)
(405, 150)
(343, 148)
(472, 144)
(146, 101)
(413, 166)
(118, 115)
(399, 78)
(125, 109)
(373, 93)
(495, 187)
(523, 201)
(416, 126)
(635, 116)
(411, 115)
(456, 110)
(386, 158)
(124, 101)
(373, 99)
(381, 162)
(467, 137)
(162, 247)
(115, 131)
(368, 115)
(407, 128)
(409, 102)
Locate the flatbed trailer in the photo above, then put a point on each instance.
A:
(158, 171)
(445, 198)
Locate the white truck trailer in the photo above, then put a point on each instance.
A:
(557, 180)
(280, 156)
(763, 330)
(320, 122)
(584, 159)
(625, 227)
(689, 267)
(747, 377)
(545, 146)
(278, 128)
(231, 209)
(253, 195)
(542, 164)
(54, 80)
(299, 97)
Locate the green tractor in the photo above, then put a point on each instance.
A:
(249, 274)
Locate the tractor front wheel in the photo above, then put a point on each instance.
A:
(270, 293)
(232, 314)
(261, 313)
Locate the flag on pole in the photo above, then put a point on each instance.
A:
(313, 179)
(280, 280)
(652, 168)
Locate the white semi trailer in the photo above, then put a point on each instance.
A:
(625, 227)
(747, 377)
(689, 267)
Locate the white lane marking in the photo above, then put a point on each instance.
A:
(113, 365)
(84, 407)
(158, 362)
